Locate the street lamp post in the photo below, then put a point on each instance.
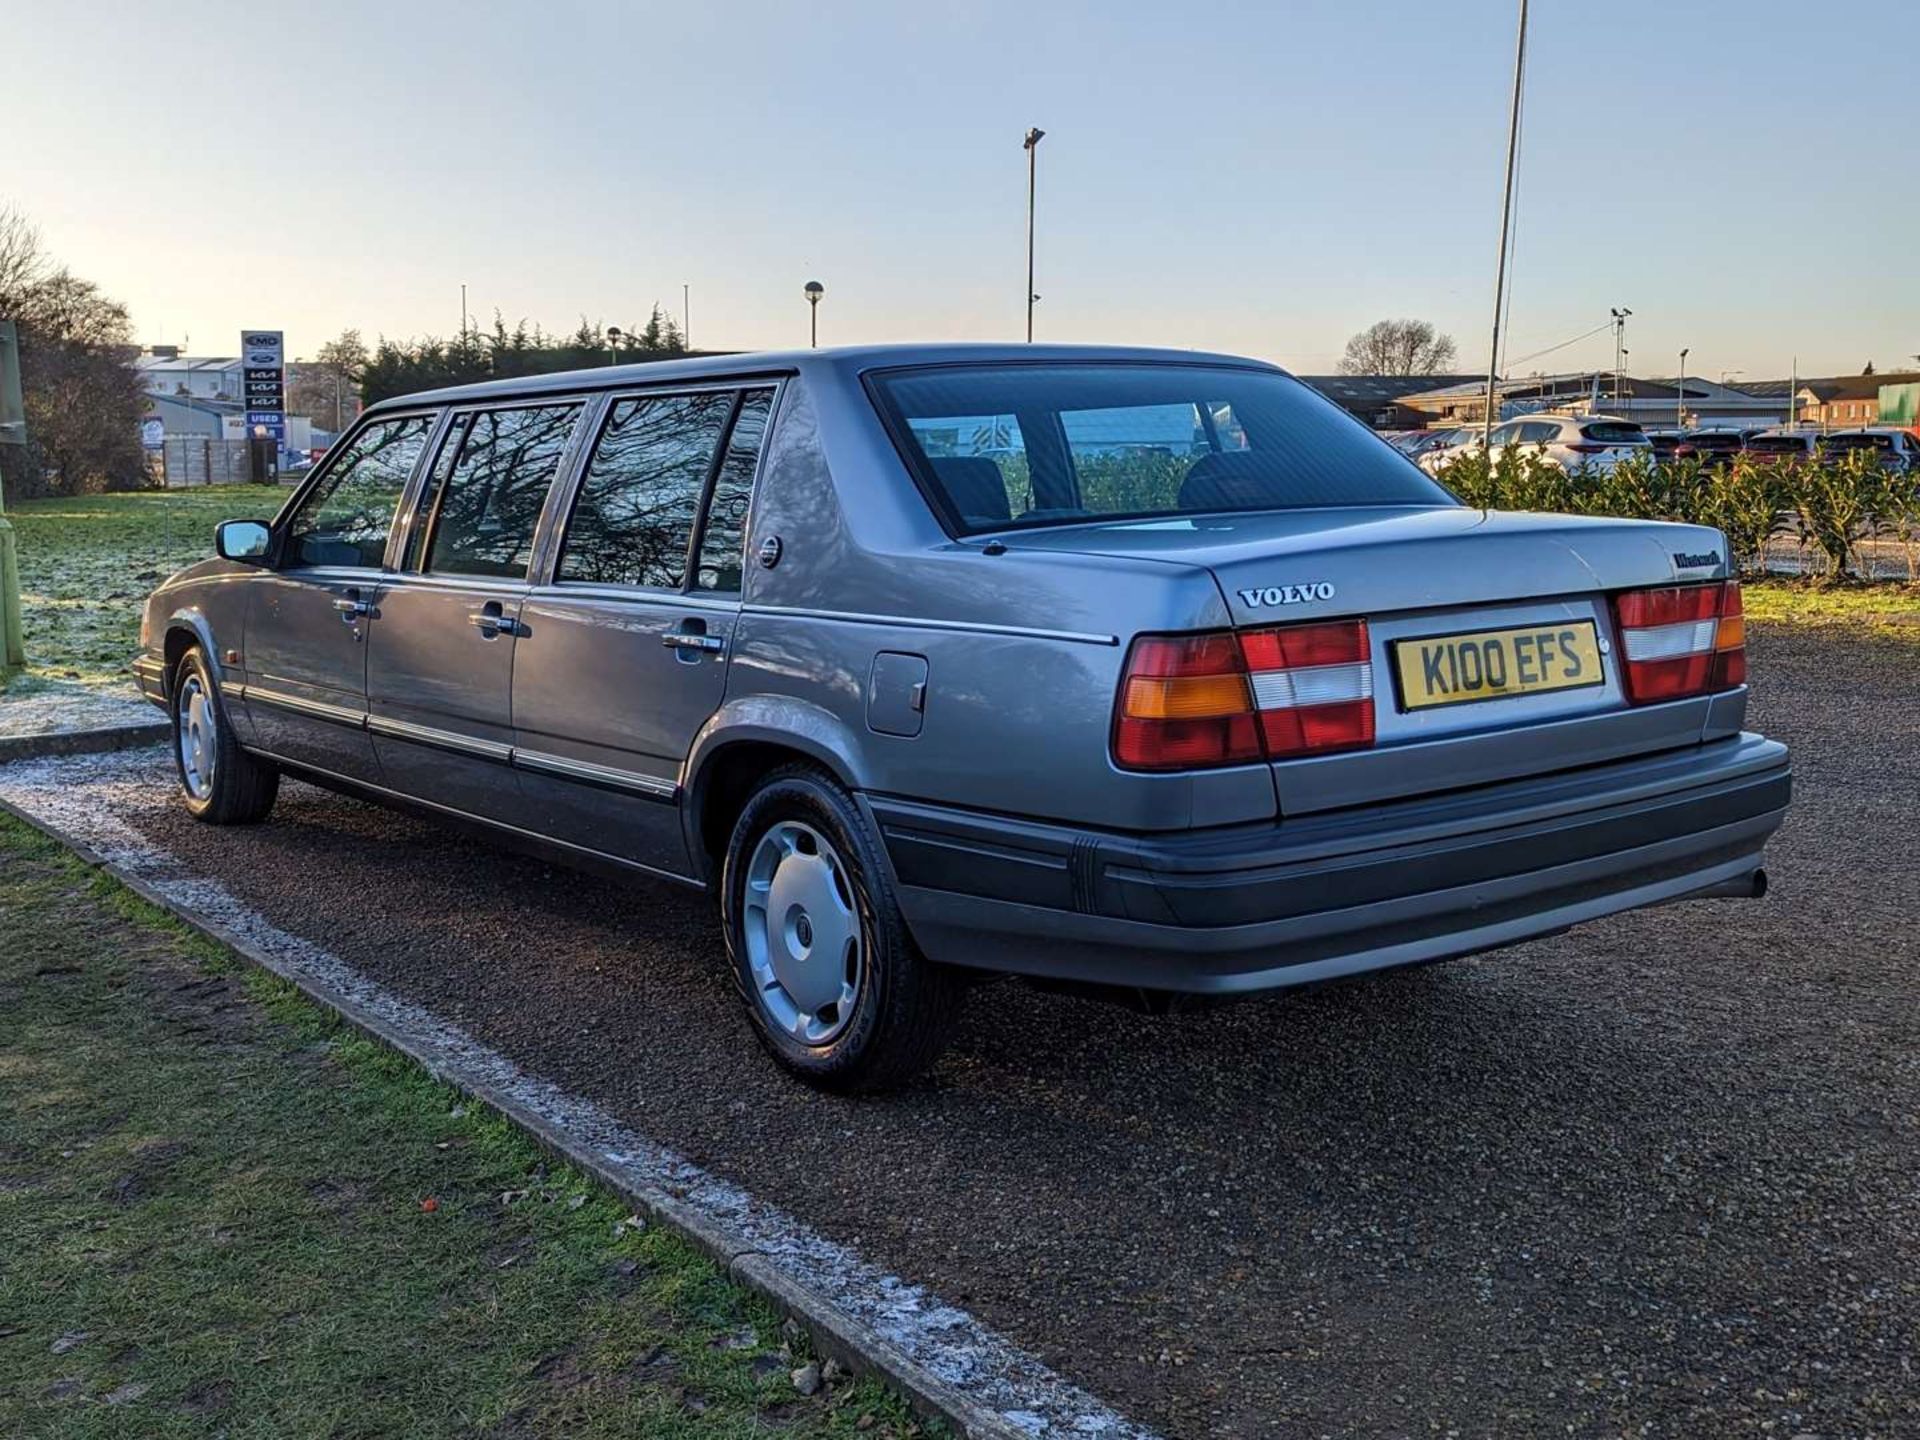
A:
(1620, 314)
(614, 332)
(1506, 221)
(1032, 146)
(814, 290)
(1680, 393)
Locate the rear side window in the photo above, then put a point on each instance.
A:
(346, 518)
(633, 521)
(494, 473)
(724, 535)
(1038, 444)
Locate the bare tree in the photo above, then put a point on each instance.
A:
(326, 388)
(83, 400)
(1398, 347)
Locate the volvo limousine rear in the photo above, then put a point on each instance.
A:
(1407, 729)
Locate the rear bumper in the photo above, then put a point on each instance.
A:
(1317, 896)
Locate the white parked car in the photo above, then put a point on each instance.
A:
(1440, 452)
(1574, 442)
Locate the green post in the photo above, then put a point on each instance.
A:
(13, 437)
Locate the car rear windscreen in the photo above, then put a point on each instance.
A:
(1613, 432)
(1858, 442)
(1022, 444)
(1777, 445)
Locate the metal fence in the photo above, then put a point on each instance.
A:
(202, 460)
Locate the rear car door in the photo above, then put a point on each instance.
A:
(624, 653)
(441, 660)
(305, 654)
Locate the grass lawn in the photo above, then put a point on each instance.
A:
(86, 565)
(1884, 605)
(223, 1212)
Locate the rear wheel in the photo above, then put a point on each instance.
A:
(834, 985)
(219, 781)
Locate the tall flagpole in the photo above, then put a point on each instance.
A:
(1506, 222)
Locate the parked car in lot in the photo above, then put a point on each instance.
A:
(1137, 670)
(1897, 449)
(1790, 445)
(1573, 442)
(1447, 446)
(1712, 448)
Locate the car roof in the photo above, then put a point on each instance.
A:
(848, 361)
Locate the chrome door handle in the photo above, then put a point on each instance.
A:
(681, 640)
(500, 624)
(353, 608)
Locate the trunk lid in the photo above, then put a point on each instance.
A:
(1415, 574)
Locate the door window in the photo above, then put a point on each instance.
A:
(491, 483)
(633, 521)
(347, 516)
(725, 535)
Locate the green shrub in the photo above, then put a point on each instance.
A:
(1837, 501)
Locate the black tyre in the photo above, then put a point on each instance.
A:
(220, 782)
(833, 983)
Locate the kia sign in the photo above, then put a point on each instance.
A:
(263, 378)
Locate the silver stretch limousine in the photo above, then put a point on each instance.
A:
(1138, 670)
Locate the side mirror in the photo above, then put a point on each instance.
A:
(247, 541)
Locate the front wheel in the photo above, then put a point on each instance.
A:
(833, 983)
(220, 782)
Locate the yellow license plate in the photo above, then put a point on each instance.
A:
(1493, 664)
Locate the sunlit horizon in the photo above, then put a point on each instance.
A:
(1267, 184)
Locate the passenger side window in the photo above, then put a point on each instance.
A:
(725, 535)
(633, 521)
(346, 518)
(490, 485)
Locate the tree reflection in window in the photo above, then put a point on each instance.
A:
(346, 519)
(490, 501)
(633, 521)
(725, 535)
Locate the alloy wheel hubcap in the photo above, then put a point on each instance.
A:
(197, 737)
(802, 933)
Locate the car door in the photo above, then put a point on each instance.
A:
(304, 656)
(624, 654)
(441, 658)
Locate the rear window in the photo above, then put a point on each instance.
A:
(1053, 444)
(1859, 442)
(1777, 445)
(1614, 432)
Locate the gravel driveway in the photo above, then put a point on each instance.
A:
(1658, 1176)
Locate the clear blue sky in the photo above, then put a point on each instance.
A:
(1262, 178)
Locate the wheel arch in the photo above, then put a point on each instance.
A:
(744, 741)
(187, 627)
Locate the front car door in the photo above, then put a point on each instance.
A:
(625, 650)
(441, 659)
(304, 657)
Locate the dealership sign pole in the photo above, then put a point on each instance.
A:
(263, 377)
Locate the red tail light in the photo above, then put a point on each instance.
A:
(1191, 701)
(1682, 640)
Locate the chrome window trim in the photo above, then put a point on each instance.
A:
(490, 584)
(913, 622)
(586, 590)
(603, 775)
